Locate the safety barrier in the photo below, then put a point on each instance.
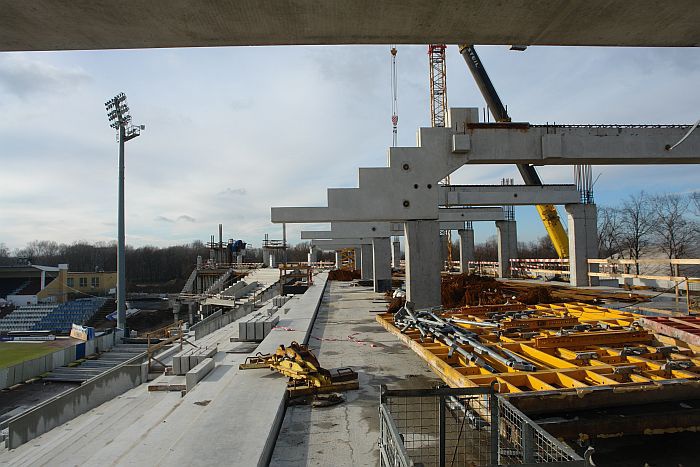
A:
(529, 268)
(219, 319)
(463, 426)
(69, 405)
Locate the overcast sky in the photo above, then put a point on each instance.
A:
(233, 131)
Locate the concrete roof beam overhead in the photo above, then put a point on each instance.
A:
(133, 24)
(479, 195)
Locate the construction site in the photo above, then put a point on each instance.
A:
(407, 349)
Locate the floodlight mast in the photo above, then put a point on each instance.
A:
(120, 120)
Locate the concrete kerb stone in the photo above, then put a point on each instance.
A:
(196, 374)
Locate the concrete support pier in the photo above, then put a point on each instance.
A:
(313, 254)
(466, 249)
(583, 242)
(507, 246)
(358, 259)
(381, 248)
(423, 263)
(367, 267)
(396, 254)
(338, 259)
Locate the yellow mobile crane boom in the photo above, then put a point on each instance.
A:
(548, 213)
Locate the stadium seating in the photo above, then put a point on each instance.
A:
(63, 316)
(25, 318)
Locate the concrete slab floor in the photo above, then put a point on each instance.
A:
(346, 334)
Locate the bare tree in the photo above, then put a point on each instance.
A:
(610, 232)
(637, 225)
(673, 231)
(695, 202)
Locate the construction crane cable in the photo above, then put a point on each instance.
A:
(394, 98)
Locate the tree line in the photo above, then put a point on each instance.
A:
(644, 225)
(149, 268)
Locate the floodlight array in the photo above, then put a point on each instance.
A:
(118, 111)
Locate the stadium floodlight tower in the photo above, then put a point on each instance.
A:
(120, 120)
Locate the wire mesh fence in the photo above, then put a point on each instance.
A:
(437, 427)
(453, 427)
(522, 441)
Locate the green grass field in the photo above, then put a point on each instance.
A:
(12, 353)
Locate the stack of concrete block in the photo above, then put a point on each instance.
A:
(256, 328)
(280, 300)
(190, 358)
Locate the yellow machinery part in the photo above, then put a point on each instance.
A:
(557, 234)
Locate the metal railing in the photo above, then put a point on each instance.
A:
(463, 427)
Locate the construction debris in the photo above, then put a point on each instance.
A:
(343, 275)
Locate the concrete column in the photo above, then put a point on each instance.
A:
(443, 251)
(338, 259)
(466, 249)
(396, 254)
(507, 246)
(358, 259)
(381, 258)
(266, 257)
(239, 259)
(313, 254)
(272, 261)
(583, 242)
(43, 280)
(367, 263)
(423, 264)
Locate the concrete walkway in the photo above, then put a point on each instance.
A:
(346, 334)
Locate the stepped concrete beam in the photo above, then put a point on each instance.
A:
(482, 195)
(82, 25)
(369, 220)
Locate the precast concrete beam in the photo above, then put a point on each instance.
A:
(522, 143)
(423, 263)
(327, 245)
(518, 195)
(583, 242)
(83, 25)
(507, 246)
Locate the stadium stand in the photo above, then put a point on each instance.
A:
(63, 316)
(25, 318)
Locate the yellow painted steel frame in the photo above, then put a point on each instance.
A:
(614, 351)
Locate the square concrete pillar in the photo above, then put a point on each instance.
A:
(266, 257)
(507, 246)
(466, 249)
(396, 254)
(312, 257)
(443, 252)
(272, 261)
(338, 259)
(423, 263)
(381, 249)
(583, 242)
(358, 259)
(367, 263)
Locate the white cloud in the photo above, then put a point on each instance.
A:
(233, 131)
